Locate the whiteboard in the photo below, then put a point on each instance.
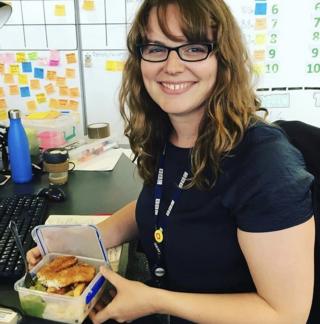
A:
(283, 38)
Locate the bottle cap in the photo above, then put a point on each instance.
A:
(55, 155)
(14, 114)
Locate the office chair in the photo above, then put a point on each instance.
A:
(306, 138)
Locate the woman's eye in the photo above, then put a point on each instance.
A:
(196, 49)
(155, 49)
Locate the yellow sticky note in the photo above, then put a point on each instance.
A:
(63, 91)
(8, 78)
(3, 115)
(14, 69)
(31, 105)
(258, 69)
(88, 5)
(51, 75)
(35, 84)
(73, 104)
(70, 73)
(60, 10)
(41, 98)
(60, 81)
(1, 68)
(3, 104)
(114, 65)
(49, 88)
(261, 39)
(259, 55)
(74, 92)
(71, 58)
(13, 90)
(23, 79)
(1, 92)
(32, 56)
(20, 57)
(261, 23)
(63, 103)
(53, 103)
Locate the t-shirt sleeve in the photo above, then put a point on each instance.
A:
(272, 189)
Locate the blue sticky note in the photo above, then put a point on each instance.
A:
(38, 73)
(260, 9)
(24, 91)
(26, 67)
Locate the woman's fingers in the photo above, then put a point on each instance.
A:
(33, 257)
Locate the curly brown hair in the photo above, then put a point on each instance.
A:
(230, 109)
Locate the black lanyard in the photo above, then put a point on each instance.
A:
(161, 219)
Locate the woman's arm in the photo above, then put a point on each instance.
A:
(120, 227)
(281, 264)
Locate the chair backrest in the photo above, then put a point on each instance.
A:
(306, 138)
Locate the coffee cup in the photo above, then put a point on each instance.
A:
(56, 163)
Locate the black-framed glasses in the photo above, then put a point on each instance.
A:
(192, 52)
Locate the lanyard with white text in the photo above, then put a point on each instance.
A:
(161, 220)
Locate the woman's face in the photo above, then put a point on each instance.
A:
(178, 87)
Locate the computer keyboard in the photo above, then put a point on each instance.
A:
(27, 211)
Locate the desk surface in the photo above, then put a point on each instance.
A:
(87, 192)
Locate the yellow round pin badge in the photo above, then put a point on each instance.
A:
(158, 235)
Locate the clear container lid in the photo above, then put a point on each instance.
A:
(78, 240)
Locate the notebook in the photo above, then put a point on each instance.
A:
(113, 253)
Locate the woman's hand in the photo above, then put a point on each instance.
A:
(33, 257)
(132, 300)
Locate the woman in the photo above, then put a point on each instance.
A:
(225, 214)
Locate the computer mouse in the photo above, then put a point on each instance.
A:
(52, 193)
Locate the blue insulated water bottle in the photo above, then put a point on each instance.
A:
(18, 147)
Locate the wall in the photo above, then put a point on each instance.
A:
(283, 37)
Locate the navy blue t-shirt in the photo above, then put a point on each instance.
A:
(263, 186)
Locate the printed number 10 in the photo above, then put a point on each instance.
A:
(313, 68)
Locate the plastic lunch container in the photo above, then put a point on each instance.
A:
(82, 241)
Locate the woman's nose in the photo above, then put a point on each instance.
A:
(174, 64)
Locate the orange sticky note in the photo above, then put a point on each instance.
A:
(14, 69)
(31, 106)
(51, 75)
(1, 92)
(35, 84)
(261, 23)
(3, 104)
(259, 55)
(74, 92)
(63, 91)
(41, 98)
(13, 90)
(63, 103)
(70, 73)
(59, 10)
(53, 103)
(73, 104)
(88, 5)
(71, 58)
(20, 57)
(1, 68)
(23, 79)
(61, 81)
(49, 88)
(8, 78)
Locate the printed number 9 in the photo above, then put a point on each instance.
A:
(315, 52)
(272, 53)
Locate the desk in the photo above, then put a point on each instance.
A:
(87, 192)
